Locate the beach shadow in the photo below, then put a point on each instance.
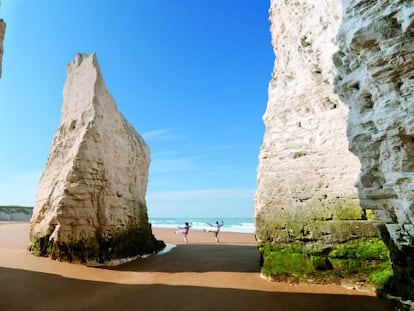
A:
(199, 258)
(28, 290)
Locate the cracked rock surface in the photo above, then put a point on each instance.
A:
(375, 78)
(306, 175)
(92, 190)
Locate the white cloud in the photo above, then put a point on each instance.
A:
(228, 147)
(173, 164)
(160, 134)
(201, 203)
(174, 161)
(206, 194)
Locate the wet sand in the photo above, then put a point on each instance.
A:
(201, 275)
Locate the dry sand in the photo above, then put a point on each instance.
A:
(202, 275)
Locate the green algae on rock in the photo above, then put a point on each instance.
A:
(102, 249)
(364, 260)
(319, 224)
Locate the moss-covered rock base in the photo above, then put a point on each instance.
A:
(363, 261)
(101, 248)
(316, 224)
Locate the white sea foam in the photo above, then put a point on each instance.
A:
(231, 224)
(166, 249)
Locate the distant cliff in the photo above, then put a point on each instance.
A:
(15, 213)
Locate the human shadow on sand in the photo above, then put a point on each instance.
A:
(28, 290)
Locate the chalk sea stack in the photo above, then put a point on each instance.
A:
(375, 78)
(91, 196)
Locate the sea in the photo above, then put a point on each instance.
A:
(231, 224)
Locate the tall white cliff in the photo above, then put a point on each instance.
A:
(306, 175)
(376, 79)
(91, 195)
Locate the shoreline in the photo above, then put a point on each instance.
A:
(202, 274)
(200, 237)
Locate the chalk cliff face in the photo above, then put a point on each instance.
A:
(376, 79)
(2, 32)
(91, 195)
(15, 213)
(306, 175)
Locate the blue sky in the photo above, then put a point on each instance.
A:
(191, 76)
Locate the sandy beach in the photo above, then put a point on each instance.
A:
(201, 275)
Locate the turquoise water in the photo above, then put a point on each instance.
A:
(231, 224)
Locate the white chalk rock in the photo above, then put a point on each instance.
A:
(91, 195)
(306, 175)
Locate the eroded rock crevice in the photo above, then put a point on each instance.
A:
(375, 78)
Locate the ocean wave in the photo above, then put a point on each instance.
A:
(239, 225)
